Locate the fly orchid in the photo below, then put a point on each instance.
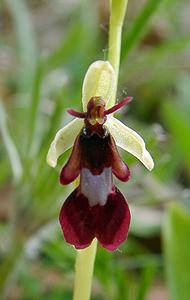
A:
(96, 208)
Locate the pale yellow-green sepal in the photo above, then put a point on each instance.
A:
(64, 139)
(99, 80)
(129, 140)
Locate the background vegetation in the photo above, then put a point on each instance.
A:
(45, 50)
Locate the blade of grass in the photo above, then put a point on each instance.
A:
(33, 108)
(26, 41)
(177, 121)
(145, 282)
(138, 28)
(176, 240)
(10, 146)
(5, 172)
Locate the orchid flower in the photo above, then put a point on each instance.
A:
(96, 208)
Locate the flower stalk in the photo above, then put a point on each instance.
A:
(85, 258)
(84, 271)
(117, 14)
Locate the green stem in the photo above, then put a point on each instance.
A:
(84, 272)
(86, 258)
(118, 9)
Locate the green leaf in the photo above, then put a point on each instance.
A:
(10, 146)
(34, 106)
(138, 28)
(146, 281)
(25, 40)
(177, 121)
(177, 251)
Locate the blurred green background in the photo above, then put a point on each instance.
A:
(45, 49)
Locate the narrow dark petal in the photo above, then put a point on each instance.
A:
(119, 168)
(118, 105)
(113, 221)
(77, 114)
(76, 220)
(72, 168)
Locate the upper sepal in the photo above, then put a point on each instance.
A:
(100, 80)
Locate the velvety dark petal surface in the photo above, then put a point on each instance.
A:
(98, 153)
(113, 225)
(76, 220)
(72, 168)
(81, 223)
(95, 154)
